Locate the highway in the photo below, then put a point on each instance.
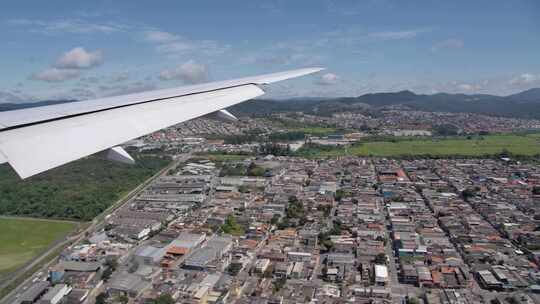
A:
(12, 296)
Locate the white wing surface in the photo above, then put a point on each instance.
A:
(38, 139)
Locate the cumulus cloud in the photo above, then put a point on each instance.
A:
(451, 43)
(79, 58)
(189, 72)
(69, 65)
(55, 75)
(328, 79)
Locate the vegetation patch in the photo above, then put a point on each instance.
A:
(232, 227)
(79, 190)
(23, 239)
(512, 144)
(223, 156)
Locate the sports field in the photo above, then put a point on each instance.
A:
(22, 239)
(525, 145)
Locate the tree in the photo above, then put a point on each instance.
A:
(326, 209)
(446, 130)
(122, 299)
(275, 219)
(234, 269)
(278, 284)
(232, 227)
(112, 263)
(255, 170)
(163, 299)
(336, 228)
(380, 259)
(101, 298)
(106, 274)
(295, 209)
(275, 149)
(413, 300)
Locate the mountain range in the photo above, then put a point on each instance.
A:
(525, 104)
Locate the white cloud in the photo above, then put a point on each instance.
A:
(327, 79)
(395, 35)
(126, 88)
(172, 44)
(281, 59)
(466, 87)
(160, 37)
(525, 79)
(79, 58)
(72, 26)
(176, 47)
(69, 65)
(55, 75)
(189, 72)
(451, 43)
(183, 46)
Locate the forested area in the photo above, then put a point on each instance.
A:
(79, 190)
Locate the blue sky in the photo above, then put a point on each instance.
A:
(86, 49)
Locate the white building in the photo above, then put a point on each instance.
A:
(381, 274)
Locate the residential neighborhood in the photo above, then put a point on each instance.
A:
(345, 230)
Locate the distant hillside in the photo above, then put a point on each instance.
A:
(17, 106)
(532, 95)
(524, 105)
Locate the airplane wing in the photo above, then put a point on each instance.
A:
(34, 140)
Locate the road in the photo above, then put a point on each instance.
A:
(76, 239)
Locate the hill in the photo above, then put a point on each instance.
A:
(525, 104)
(17, 106)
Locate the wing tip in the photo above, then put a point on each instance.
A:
(275, 77)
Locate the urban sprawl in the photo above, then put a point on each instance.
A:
(285, 229)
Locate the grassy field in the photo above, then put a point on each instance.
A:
(525, 145)
(221, 157)
(316, 131)
(22, 239)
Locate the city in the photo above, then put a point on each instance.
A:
(225, 226)
(270, 152)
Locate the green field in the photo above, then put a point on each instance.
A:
(316, 131)
(221, 157)
(523, 145)
(22, 239)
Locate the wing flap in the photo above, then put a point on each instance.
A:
(39, 147)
